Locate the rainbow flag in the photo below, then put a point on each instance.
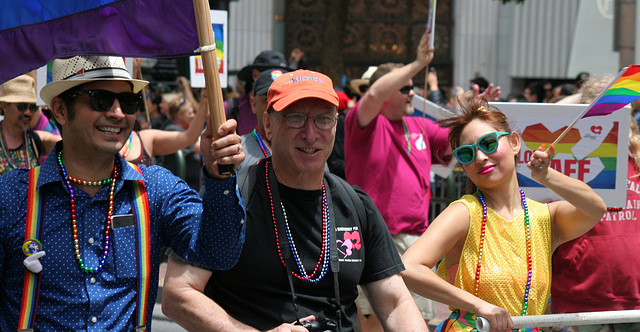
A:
(34, 32)
(623, 90)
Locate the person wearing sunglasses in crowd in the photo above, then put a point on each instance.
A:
(310, 238)
(21, 146)
(496, 242)
(143, 145)
(389, 155)
(80, 236)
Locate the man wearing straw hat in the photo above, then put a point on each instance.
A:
(360, 85)
(80, 238)
(21, 147)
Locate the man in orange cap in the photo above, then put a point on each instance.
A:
(311, 238)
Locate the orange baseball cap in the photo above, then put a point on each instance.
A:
(300, 84)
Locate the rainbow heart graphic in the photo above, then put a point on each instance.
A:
(605, 154)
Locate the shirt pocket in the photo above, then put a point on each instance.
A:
(124, 251)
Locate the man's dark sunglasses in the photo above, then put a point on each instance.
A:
(22, 107)
(102, 100)
(406, 89)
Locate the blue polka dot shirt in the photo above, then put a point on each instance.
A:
(71, 300)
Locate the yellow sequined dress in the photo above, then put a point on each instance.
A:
(503, 274)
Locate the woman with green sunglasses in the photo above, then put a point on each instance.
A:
(496, 243)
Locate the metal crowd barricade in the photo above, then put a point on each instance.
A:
(580, 318)
(446, 190)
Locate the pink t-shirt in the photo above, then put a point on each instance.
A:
(377, 160)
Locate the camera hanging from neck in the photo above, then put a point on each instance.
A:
(285, 250)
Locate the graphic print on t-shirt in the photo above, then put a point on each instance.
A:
(348, 244)
(419, 139)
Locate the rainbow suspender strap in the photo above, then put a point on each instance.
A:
(143, 250)
(31, 287)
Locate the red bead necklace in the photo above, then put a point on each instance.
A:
(324, 252)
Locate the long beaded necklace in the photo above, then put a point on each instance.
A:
(264, 145)
(525, 305)
(324, 252)
(74, 223)
(7, 152)
(406, 136)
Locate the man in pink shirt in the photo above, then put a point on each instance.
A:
(389, 155)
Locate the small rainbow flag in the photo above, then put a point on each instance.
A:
(623, 90)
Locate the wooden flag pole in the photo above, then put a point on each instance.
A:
(211, 77)
(144, 96)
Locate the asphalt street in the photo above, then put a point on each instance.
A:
(161, 323)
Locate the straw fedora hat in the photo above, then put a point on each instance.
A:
(69, 73)
(21, 89)
(358, 84)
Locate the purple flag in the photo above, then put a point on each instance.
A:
(34, 32)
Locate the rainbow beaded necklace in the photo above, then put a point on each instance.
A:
(74, 223)
(128, 143)
(7, 152)
(407, 137)
(264, 144)
(525, 305)
(314, 277)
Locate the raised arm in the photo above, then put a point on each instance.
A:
(371, 103)
(163, 142)
(48, 139)
(185, 87)
(581, 209)
(445, 236)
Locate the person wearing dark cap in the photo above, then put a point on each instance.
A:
(310, 240)
(241, 110)
(80, 236)
(256, 145)
(270, 59)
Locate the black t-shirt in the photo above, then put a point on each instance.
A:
(256, 291)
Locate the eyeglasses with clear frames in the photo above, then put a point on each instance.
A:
(299, 120)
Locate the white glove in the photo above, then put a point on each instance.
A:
(32, 263)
